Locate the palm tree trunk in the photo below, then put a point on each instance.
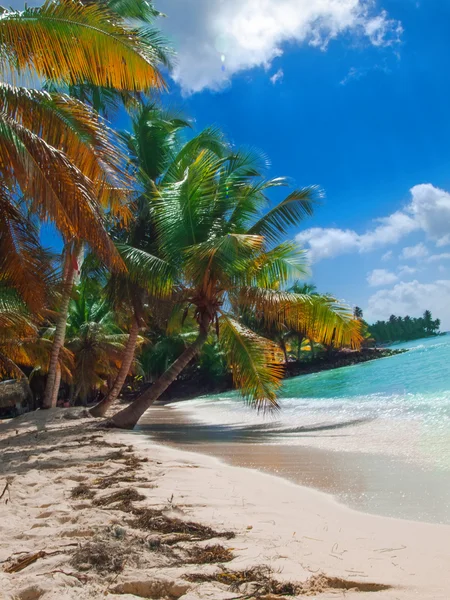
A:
(129, 416)
(56, 386)
(58, 341)
(283, 348)
(299, 346)
(100, 409)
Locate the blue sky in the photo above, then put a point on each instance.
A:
(349, 95)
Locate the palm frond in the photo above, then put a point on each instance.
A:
(289, 213)
(277, 267)
(256, 363)
(150, 272)
(74, 43)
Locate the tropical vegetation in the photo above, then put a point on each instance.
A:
(404, 329)
(172, 250)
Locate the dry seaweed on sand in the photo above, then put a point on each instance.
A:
(202, 555)
(155, 520)
(126, 495)
(102, 556)
(82, 491)
(264, 584)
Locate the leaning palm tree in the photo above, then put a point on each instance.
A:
(212, 228)
(54, 149)
(158, 153)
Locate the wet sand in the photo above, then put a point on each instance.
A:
(369, 482)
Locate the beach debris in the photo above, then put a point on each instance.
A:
(202, 555)
(82, 491)
(260, 583)
(29, 559)
(152, 519)
(6, 489)
(103, 556)
(126, 495)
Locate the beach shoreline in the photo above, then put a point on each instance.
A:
(298, 531)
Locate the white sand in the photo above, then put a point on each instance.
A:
(295, 530)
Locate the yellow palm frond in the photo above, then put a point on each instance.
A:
(58, 190)
(73, 43)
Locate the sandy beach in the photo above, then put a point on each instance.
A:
(88, 514)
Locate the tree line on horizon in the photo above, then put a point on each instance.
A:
(172, 251)
(400, 329)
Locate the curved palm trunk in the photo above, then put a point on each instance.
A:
(129, 416)
(58, 341)
(100, 409)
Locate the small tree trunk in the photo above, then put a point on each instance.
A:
(299, 346)
(100, 409)
(56, 386)
(283, 347)
(129, 416)
(58, 341)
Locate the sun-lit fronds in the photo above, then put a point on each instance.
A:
(75, 43)
(221, 258)
(275, 224)
(320, 318)
(278, 266)
(269, 304)
(210, 139)
(256, 363)
(326, 321)
(184, 215)
(24, 265)
(15, 319)
(152, 273)
(58, 190)
(134, 9)
(74, 128)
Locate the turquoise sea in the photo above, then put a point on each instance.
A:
(414, 385)
(376, 435)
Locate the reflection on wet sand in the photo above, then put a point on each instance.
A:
(367, 482)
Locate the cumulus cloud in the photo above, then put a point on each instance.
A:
(327, 243)
(405, 270)
(412, 298)
(251, 33)
(439, 257)
(379, 277)
(428, 211)
(416, 252)
(387, 256)
(278, 76)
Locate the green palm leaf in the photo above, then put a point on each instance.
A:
(255, 363)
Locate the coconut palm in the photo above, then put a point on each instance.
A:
(54, 149)
(211, 226)
(158, 153)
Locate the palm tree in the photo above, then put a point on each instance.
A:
(211, 226)
(158, 154)
(96, 342)
(54, 149)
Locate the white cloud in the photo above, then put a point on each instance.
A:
(430, 208)
(379, 277)
(412, 298)
(278, 76)
(387, 256)
(327, 243)
(404, 270)
(438, 257)
(251, 33)
(416, 252)
(428, 211)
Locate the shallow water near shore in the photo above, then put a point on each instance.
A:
(375, 435)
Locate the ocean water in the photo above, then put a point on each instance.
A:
(398, 405)
(376, 435)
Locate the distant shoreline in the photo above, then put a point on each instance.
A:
(186, 389)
